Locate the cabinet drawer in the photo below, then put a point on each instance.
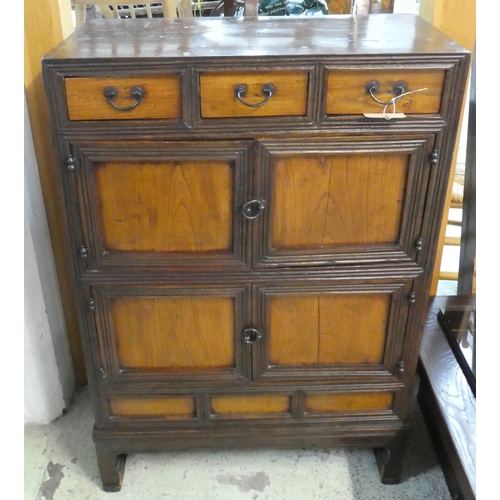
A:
(286, 97)
(157, 408)
(347, 91)
(161, 98)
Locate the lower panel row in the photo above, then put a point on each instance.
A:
(284, 405)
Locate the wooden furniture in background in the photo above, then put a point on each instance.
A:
(457, 19)
(467, 265)
(251, 254)
(447, 394)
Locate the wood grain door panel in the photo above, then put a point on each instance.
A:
(174, 333)
(329, 331)
(162, 204)
(339, 202)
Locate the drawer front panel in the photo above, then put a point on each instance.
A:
(161, 100)
(171, 333)
(250, 406)
(347, 91)
(311, 331)
(321, 403)
(219, 99)
(160, 408)
(333, 202)
(157, 204)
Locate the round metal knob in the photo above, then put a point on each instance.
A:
(252, 209)
(251, 335)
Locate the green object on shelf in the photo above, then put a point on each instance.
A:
(289, 8)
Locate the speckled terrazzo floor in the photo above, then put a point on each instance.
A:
(60, 465)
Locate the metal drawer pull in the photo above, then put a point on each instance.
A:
(136, 93)
(399, 88)
(252, 209)
(268, 90)
(251, 335)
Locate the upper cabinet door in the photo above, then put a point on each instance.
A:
(340, 201)
(162, 204)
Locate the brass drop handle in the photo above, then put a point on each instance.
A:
(268, 90)
(251, 335)
(252, 209)
(373, 86)
(136, 93)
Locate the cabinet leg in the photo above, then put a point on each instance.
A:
(111, 467)
(390, 458)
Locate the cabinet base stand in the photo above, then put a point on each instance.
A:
(390, 458)
(112, 448)
(111, 467)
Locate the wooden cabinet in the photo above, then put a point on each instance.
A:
(252, 254)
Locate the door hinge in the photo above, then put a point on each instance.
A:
(102, 372)
(434, 157)
(401, 366)
(412, 298)
(83, 252)
(70, 163)
(418, 244)
(92, 304)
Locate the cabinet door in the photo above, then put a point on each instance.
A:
(162, 204)
(172, 333)
(340, 201)
(310, 331)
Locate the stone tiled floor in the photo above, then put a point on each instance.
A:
(60, 465)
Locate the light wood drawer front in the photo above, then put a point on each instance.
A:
(347, 91)
(219, 99)
(86, 100)
(332, 403)
(250, 406)
(164, 408)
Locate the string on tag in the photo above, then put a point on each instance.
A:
(393, 102)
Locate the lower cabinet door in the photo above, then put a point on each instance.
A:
(310, 331)
(172, 333)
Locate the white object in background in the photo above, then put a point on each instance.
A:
(49, 378)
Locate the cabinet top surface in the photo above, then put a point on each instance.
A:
(341, 35)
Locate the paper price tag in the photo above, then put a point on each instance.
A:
(384, 116)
